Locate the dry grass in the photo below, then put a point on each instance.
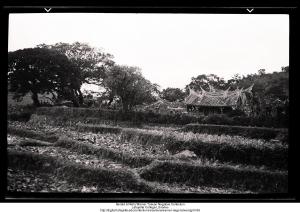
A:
(224, 176)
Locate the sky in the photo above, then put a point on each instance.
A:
(170, 49)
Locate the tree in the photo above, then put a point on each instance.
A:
(172, 94)
(262, 71)
(205, 81)
(267, 90)
(234, 81)
(128, 83)
(91, 62)
(39, 71)
(285, 69)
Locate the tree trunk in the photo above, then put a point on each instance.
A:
(75, 99)
(80, 97)
(35, 99)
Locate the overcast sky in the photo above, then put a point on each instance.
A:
(169, 48)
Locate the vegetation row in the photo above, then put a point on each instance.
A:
(250, 132)
(223, 151)
(275, 157)
(151, 117)
(79, 174)
(180, 172)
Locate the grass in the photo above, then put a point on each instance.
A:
(31, 134)
(34, 142)
(236, 149)
(79, 174)
(132, 161)
(98, 128)
(249, 132)
(223, 176)
(158, 118)
(233, 149)
(222, 148)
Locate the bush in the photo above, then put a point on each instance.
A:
(20, 113)
(149, 117)
(136, 117)
(22, 117)
(217, 119)
(237, 112)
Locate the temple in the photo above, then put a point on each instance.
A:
(217, 101)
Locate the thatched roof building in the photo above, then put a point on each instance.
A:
(218, 101)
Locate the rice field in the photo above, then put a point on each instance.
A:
(88, 157)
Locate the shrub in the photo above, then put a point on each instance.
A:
(136, 117)
(237, 112)
(150, 117)
(22, 117)
(20, 113)
(217, 119)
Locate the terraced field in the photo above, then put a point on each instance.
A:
(102, 158)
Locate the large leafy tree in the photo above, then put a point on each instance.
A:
(205, 81)
(39, 71)
(129, 85)
(92, 63)
(270, 90)
(172, 94)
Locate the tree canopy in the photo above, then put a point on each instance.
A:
(205, 81)
(61, 69)
(39, 71)
(128, 83)
(172, 94)
(92, 63)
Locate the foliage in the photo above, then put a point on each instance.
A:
(39, 71)
(270, 93)
(20, 113)
(138, 117)
(217, 119)
(129, 84)
(205, 81)
(172, 94)
(92, 63)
